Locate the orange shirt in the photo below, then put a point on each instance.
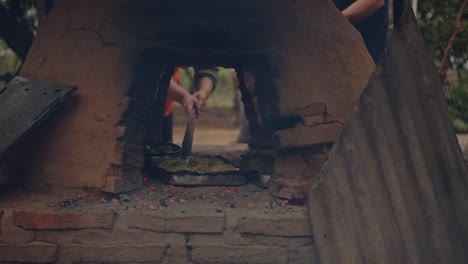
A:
(169, 105)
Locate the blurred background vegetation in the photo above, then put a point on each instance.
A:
(437, 20)
(19, 20)
(18, 24)
(9, 63)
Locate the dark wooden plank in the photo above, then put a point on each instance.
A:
(394, 189)
(24, 104)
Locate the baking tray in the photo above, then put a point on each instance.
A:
(167, 149)
(173, 170)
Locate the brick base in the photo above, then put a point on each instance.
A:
(236, 235)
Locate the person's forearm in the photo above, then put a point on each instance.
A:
(176, 92)
(205, 85)
(362, 9)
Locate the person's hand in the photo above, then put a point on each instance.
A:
(201, 97)
(189, 102)
(362, 9)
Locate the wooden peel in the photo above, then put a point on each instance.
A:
(188, 136)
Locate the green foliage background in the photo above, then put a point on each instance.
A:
(457, 99)
(437, 22)
(9, 63)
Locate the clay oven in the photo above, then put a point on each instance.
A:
(309, 66)
(395, 183)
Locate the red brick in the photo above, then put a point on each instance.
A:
(36, 252)
(195, 222)
(10, 233)
(150, 253)
(234, 238)
(232, 254)
(262, 240)
(294, 224)
(191, 221)
(147, 221)
(109, 237)
(42, 220)
(306, 136)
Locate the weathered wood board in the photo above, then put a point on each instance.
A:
(394, 189)
(24, 104)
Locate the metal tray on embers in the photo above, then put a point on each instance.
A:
(197, 170)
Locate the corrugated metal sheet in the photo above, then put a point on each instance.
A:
(394, 189)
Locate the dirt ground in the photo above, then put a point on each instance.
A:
(214, 127)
